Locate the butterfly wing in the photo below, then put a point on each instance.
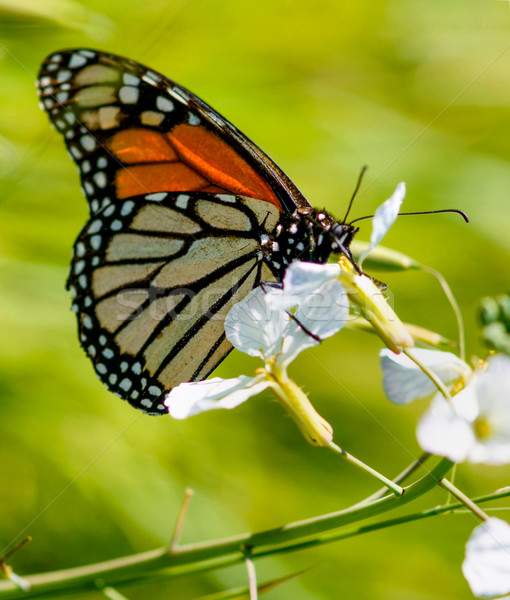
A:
(179, 200)
(132, 132)
(153, 279)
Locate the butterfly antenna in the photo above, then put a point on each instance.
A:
(356, 190)
(426, 212)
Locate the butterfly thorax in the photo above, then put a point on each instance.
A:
(308, 235)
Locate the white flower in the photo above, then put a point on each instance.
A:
(384, 218)
(263, 325)
(475, 425)
(404, 381)
(487, 563)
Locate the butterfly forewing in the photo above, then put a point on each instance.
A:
(132, 132)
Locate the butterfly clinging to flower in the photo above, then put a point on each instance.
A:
(187, 215)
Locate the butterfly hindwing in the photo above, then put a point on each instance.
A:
(153, 278)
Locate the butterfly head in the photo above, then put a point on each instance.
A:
(342, 234)
(329, 235)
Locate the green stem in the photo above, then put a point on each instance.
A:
(396, 489)
(252, 574)
(214, 554)
(453, 303)
(432, 376)
(112, 594)
(465, 500)
(404, 519)
(400, 478)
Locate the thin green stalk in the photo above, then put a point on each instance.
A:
(452, 477)
(221, 552)
(252, 575)
(453, 303)
(465, 500)
(179, 522)
(395, 488)
(400, 478)
(432, 376)
(112, 594)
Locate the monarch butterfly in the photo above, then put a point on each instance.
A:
(187, 215)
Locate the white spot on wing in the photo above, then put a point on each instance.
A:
(125, 384)
(130, 79)
(182, 201)
(127, 207)
(79, 266)
(129, 94)
(179, 95)
(76, 61)
(75, 152)
(164, 104)
(63, 76)
(88, 142)
(151, 78)
(95, 242)
(100, 179)
(157, 197)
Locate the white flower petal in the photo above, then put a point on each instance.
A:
(325, 311)
(302, 279)
(188, 399)
(492, 392)
(384, 218)
(443, 432)
(404, 381)
(321, 315)
(487, 563)
(255, 325)
(493, 388)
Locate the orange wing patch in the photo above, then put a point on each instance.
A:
(189, 158)
(141, 146)
(219, 163)
(147, 179)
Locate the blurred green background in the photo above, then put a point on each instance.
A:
(419, 91)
